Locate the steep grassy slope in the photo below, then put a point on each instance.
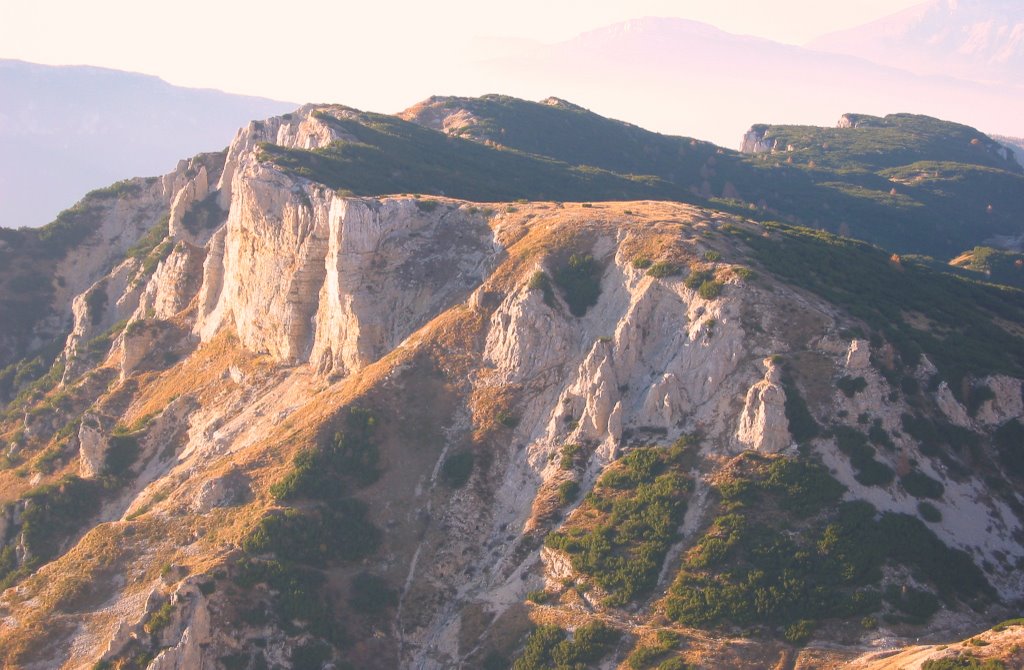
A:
(910, 183)
(379, 154)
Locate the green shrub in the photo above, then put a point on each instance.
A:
(370, 594)
(539, 281)
(639, 502)
(712, 256)
(697, 277)
(802, 425)
(159, 619)
(647, 656)
(122, 452)
(349, 456)
(644, 657)
(538, 597)
(799, 632)
(929, 512)
(663, 269)
(1009, 442)
(878, 436)
(316, 536)
(204, 214)
(801, 486)
(977, 397)
(148, 242)
(547, 647)
(537, 653)
(920, 485)
(855, 445)
(310, 656)
(299, 595)
(457, 469)
(851, 386)
(916, 606)
(675, 664)
(507, 419)
(963, 662)
(1003, 625)
(568, 491)
(965, 338)
(710, 290)
(642, 263)
(569, 455)
(53, 512)
(579, 281)
(96, 300)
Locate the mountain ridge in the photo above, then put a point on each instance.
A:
(977, 40)
(297, 425)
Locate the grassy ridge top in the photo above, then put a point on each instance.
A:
(912, 184)
(389, 155)
(874, 143)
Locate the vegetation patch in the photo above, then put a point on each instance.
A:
(579, 281)
(1009, 441)
(662, 269)
(204, 214)
(650, 655)
(299, 595)
(388, 155)
(851, 386)
(965, 339)
(318, 536)
(457, 469)
(802, 425)
(347, 458)
(51, 515)
(540, 281)
(855, 445)
(963, 662)
(371, 595)
(621, 532)
(784, 553)
(568, 492)
(549, 647)
(920, 485)
(929, 512)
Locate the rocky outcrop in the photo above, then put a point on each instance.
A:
(229, 489)
(763, 424)
(305, 275)
(93, 444)
(755, 141)
(174, 285)
(1006, 403)
(95, 311)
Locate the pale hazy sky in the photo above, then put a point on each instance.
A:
(379, 55)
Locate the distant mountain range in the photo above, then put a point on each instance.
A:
(65, 130)
(689, 78)
(978, 40)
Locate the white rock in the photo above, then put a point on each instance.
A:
(92, 447)
(763, 424)
(858, 357)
